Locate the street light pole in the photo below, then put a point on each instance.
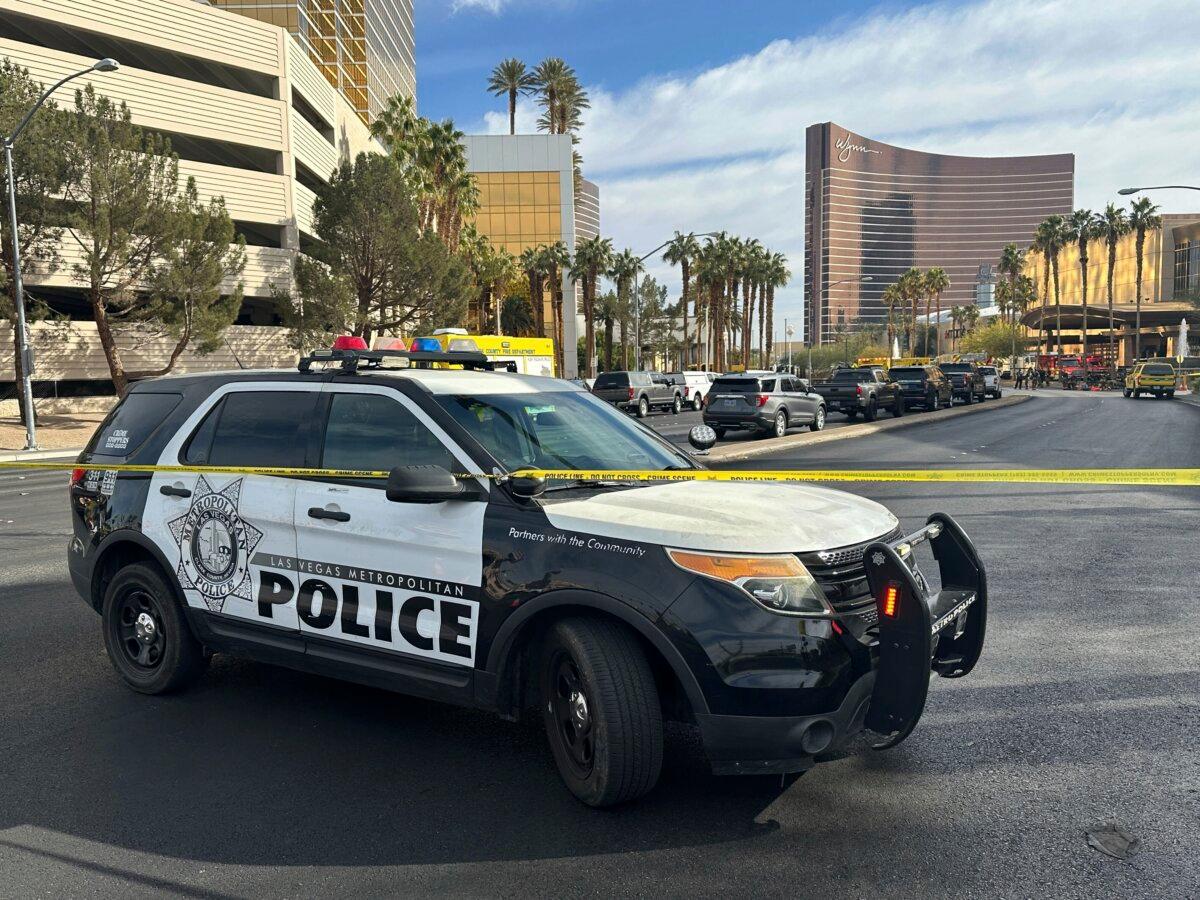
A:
(1125, 192)
(637, 296)
(21, 336)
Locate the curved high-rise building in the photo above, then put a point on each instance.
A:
(875, 210)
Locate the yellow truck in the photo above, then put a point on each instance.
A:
(1157, 378)
(529, 355)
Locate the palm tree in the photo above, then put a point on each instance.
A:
(608, 310)
(559, 94)
(711, 277)
(1143, 217)
(1112, 226)
(681, 250)
(1012, 264)
(1056, 237)
(936, 281)
(911, 287)
(501, 270)
(1043, 239)
(624, 268)
(511, 77)
(893, 298)
(1082, 227)
(778, 275)
(592, 256)
(747, 261)
(531, 263)
(555, 259)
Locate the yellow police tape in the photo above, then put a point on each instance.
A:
(1159, 477)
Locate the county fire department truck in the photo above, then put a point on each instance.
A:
(479, 570)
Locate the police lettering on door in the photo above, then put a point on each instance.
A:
(385, 610)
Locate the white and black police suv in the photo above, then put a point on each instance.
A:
(780, 619)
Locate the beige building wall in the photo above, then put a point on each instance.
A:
(242, 95)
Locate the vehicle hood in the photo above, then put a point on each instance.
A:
(726, 516)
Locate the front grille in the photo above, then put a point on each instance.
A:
(843, 578)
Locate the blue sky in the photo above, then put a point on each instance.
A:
(699, 106)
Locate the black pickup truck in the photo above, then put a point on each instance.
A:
(966, 380)
(638, 391)
(862, 390)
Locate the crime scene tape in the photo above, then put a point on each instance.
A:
(1150, 477)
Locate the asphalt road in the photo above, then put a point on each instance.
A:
(262, 782)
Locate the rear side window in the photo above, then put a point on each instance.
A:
(132, 421)
(254, 428)
(368, 431)
(611, 380)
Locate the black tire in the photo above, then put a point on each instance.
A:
(898, 407)
(643, 407)
(697, 403)
(1137, 395)
(935, 402)
(1128, 393)
(818, 422)
(781, 424)
(998, 393)
(871, 412)
(1170, 395)
(968, 398)
(676, 405)
(146, 633)
(720, 433)
(601, 711)
(851, 414)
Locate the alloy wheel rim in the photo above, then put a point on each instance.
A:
(571, 709)
(140, 631)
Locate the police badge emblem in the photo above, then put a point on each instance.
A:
(215, 545)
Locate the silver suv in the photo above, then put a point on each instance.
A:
(768, 403)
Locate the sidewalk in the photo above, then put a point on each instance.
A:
(56, 435)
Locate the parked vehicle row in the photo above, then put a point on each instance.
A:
(772, 403)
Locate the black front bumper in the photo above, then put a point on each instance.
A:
(920, 632)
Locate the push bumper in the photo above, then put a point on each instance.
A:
(920, 632)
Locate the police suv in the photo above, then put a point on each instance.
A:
(470, 575)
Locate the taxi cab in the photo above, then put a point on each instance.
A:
(410, 520)
(1157, 378)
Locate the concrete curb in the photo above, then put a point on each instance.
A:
(737, 452)
(40, 455)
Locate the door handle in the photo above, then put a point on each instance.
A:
(316, 512)
(171, 490)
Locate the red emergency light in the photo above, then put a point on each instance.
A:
(349, 342)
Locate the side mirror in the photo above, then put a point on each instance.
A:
(526, 485)
(702, 438)
(425, 484)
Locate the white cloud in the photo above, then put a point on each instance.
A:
(492, 6)
(1110, 81)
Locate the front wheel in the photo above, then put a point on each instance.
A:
(935, 402)
(720, 433)
(145, 633)
(601, 711)
(676, 405)
(818, 422)
(643, 408)
(697, 403)
(1128, 393)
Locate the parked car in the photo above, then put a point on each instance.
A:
(966, 381)
(863, 390)
(991, 380)
(693, 385)
(1157, 378)
(601, 607)
(924, 386)
(769, 404)
(638, 391)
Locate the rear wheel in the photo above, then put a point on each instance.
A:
(1128, 393)
(601, 711)
(643, 407)
(1170, 395)
(781, 424)
(697, 403)
(852, 414)
(818, 422)
(720, 433)
(871, 411)
(968, 398)
(146, 634)
(935, 402)
(898, 407)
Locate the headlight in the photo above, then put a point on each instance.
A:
(778, 583)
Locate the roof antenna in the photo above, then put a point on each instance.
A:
(233, 352)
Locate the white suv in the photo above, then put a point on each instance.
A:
(695, 386)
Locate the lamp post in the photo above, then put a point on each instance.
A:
(22, 333)
(1125, 192)
(811, 338)
(637, 297)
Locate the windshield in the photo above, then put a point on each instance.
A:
(956, 368)
(987, 370)
(853, 375)
(559, 430)
(1158, 370)
(907, 374)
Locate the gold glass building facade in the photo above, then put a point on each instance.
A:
(365, 48)
(519, 209)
